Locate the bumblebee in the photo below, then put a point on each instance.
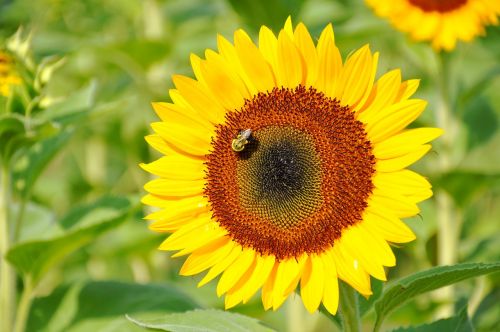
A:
(238, 144)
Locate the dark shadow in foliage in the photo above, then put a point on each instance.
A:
(109, 299)
(481, 121)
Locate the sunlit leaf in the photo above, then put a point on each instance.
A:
(34, 258)
(203, 321)
(405, 289)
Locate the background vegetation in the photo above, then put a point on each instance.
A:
(82, 248)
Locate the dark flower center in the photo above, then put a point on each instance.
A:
(304, 175)
(441, 6)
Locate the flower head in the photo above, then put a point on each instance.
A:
(8, 76)
(285, 165)
(441, 22)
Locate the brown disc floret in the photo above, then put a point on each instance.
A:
(304, 175)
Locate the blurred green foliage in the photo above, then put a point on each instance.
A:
(78, 182)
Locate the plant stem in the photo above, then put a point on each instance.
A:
(448, 217)
(24, 306)
(294, 315)
(7, 277)
(349, 307)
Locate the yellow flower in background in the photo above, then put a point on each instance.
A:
(442, 22)
(285, 165)
(8, 76)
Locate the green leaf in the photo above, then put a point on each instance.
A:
(203, 321)
(405, 289)
(481, 121)
(28, 168)
(366, 304)
(80, 101)
(487, 315)
(464, 186)
(11, 127)
(458, 323)
(481, 159)
(34, 258)
(270, 13)
(69, 308)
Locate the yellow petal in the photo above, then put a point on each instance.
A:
(187, 137)
(398, 163)
(305, 44)
(350, 270)
(400, 206)
(404, 182)
(377, 244)
(174, 188)
(405, 142)
(331, 288)
(253, 62)
(355, 77)
(312, 283)
(262, 271)
(329, 62)
(389, 226)
(229, 53)
(253, 279)
(196, 65)
(169, 112)
(159, 144)
(193, 235)
(395, 119)
(176, 167)
(154, 200)
(288, 28)
(235, 271)
(173, 209)
(360, 103)
(383, 95)
(407, 89)
(206, 256)
(288, 275)
(186, 226)
(353, 243)
(268, 46)
(229, 90)
(172, 225)
(267, 290)
(222, 265)
(199, 98)
(291, 67)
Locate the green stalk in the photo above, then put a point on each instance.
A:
(294, 315)
(448, 217)
(7, 276)
(349, 308)
(24, 306)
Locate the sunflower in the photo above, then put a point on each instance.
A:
(8, 77)
(442, 22)
(284, 165)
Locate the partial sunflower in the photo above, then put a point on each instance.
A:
(8, 76)
(441, 22)
(284, 165)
